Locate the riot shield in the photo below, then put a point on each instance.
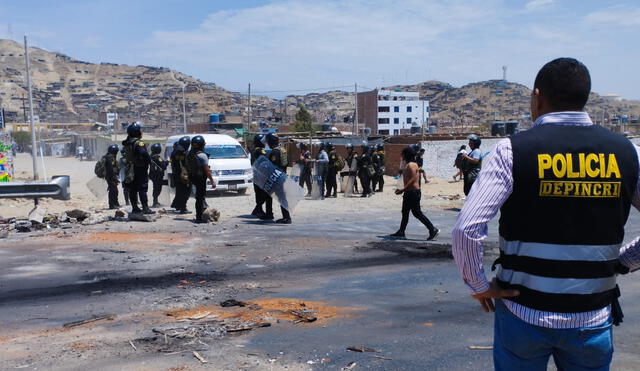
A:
(98, 187)
(351, 179)
(316, 182)
(166, 196)
(275, 182)
(296, 172)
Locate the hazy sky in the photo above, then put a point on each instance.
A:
(287, 45)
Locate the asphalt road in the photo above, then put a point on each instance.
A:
(405, 298)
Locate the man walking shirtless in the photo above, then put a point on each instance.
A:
(411, 196)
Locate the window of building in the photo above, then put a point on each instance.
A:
(396, 120)
(383, 121)
(396, 108)
(383, 109)
(383, 132)
(408, 108)
(396, 132)
(408, 120)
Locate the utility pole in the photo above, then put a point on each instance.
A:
(249, 109)
(24, 108)
(355, 118)
(184, 111)
(34, 150)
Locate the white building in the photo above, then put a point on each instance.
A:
(389, 112)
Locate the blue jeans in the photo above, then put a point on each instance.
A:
(520, 346)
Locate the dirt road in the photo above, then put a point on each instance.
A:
(146, 296)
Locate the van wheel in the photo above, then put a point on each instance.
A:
(242, 191)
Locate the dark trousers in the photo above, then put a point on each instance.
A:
(321, 170)
(332, 183)
(469, 178)
(112, 189)
(139, 188)
(305, 178)
(266, 199)
(285, 213)
(256, 192)
(201, 193)
(183, 192)
(365, 182)
(411, 203)
(125, 193)
(157, 188)
(380, 182)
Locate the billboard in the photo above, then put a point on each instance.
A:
(6, 158)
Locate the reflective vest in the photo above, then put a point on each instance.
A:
(562, 227)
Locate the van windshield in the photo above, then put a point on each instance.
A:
(225, 151)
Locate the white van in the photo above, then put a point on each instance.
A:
(229, 163)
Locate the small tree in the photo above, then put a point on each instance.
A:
(303, 121)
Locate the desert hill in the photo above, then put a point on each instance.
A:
(70, 90)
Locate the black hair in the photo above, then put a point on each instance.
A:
(408, 154)
(462, 147)
(565, 84)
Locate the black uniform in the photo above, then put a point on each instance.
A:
(198, 178)
(381, 171)
(332, 172)
(156, 174)
(321, 173)
(137, 157)
(305, 176)
(111, 176)
(276, 158)
(180, 179)
(420, 162)
(375, 162)
(262, 197)
(364, 162)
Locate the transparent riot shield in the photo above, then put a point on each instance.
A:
(275, 182)
(317, 182)
(351, 179)
(296, 172)
(166, 196)
(97, 187)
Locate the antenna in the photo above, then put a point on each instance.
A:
(504, 73)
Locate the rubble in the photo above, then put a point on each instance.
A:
(78, 214)
(211, 215)
(140, 217)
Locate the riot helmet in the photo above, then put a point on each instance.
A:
(272, 140)
(330, 146)
(258, 141)
(349, 146)
(184, 142)
(302, 146)
(113, 149)
(475, 140)
(197, 142)
(380, 147)
(134, 130)
(156, 148)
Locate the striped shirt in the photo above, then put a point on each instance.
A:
(490, 191)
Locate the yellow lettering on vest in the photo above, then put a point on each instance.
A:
(568, 188)
(616, 189)
(559, 171)
(602, 164)
(590, 170)
(606, 190)
(545, 188)
(582, 165)
(544, 163)
(597, 189)
(612, 168)
(557, 189)
(570, 172)
(586, 189)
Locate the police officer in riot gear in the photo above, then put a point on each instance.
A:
(199, 171)
(112, 173)
(380, 170)
(332, 172)
(279, 158)
(180, 175)
(364, 164)
(137, 169)
(306, 161)
(156, 172)
(260, 195)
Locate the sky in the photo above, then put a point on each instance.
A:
(298, 46)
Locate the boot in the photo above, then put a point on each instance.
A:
(147, 210)
(156, 203)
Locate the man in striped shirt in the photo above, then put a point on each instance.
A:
(564, 189)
